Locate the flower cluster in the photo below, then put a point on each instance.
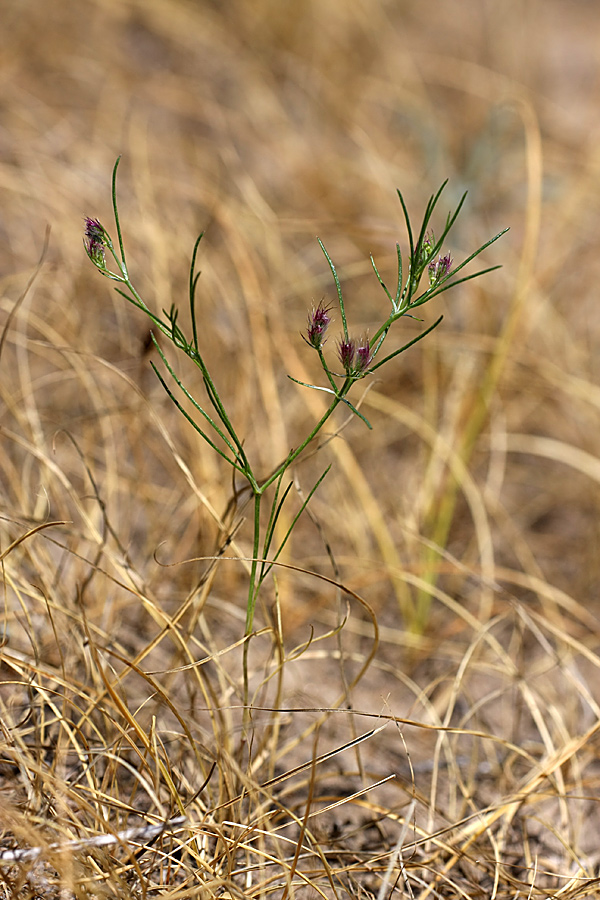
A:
(355, 358)
(95, 242)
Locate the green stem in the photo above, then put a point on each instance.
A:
(296, 453)
(326, 370)
(254, 584)
(222, 413)
(252, 597)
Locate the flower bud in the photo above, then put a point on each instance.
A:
(346, 352)
(363, 356)
(95, 242)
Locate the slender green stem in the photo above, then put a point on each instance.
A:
(252, 597)
(415, 340)
(296, 453)
(326, 370)
(195, 356)
(217, 403)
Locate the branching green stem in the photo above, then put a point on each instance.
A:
(358, 359)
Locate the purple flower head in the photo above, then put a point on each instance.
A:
(356, 357)
(439, 269)
(95, 242)
(318, 322)
(94, 230)
(346, 352)
(364, 356)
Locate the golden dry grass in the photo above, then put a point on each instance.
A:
(454, 759)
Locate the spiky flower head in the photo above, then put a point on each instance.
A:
(363, 356)
(346, 352)
(95, 241)
(439, 269)
(318, 322)
(356, 357)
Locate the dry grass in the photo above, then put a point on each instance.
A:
(459, 760)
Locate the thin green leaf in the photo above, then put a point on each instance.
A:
(271, 522)
(431, 205)
(217, 403)
(450, 282)
(338, 287)
(108, 274)
(399, 286)
(213, 395)
(357, 412)
(116, 212)
(480, 250)
(315, 387)
(135, 302)
(194, 424)
(446, 285)
(411, 246)
(300, 511)
(381, 339)
(272, 562)
(409, 344)
(192, 289)
(380, 280)
(241, 463)
(276, 508)
(450, 220)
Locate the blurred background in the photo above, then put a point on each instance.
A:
(267, 124)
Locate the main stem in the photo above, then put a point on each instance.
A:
(252, 596)
(294, 456)
(254, 585)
